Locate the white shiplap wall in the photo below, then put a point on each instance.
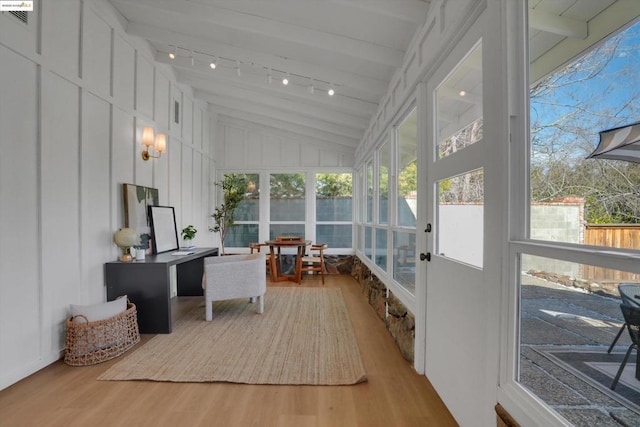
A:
(246, 145)
(75, 92)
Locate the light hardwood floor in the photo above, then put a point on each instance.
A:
(394, 395)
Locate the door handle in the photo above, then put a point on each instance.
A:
(426, 256)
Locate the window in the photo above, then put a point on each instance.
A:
(567, 293)
(459, 106)
(406, 207)
(594, 92)
(245, 229)
(369, 186)
(381, 248)
(407, 160)
(334, 209)
(287, 204)
(404, 259)
(383, 184)
(460, 215)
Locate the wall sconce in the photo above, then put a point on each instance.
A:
(158, 143)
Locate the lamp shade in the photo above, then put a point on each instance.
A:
(161, 143)
(147, 136)
(126, 238)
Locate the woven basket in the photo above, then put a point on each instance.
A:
(89, 343)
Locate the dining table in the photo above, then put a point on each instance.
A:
(275, 253)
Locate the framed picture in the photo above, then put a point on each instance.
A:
(137, 200)
(164, 233)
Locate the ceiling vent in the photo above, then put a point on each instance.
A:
(21, 16)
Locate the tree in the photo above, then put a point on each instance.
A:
(597, 91)
(334, 185)
(233, 192)
(287, 185)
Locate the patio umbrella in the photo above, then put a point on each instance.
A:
(621, 143)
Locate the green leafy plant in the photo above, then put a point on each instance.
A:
(233, 191)
(189, 233)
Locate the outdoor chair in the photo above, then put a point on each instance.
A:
(632, 321)
(314, 263)
(234, 276)
(630, 295)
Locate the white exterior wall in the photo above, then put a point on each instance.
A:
(75, 93)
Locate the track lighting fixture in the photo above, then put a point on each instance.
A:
(227, 63)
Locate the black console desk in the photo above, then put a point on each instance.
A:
(147, 284)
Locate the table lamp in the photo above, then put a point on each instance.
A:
(125, 238)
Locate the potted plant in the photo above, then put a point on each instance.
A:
(233, 191)
(188, 234)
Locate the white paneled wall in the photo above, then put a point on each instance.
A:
(20, 236)
(75, 92)
(243, 145)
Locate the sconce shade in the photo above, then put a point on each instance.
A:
(161, 143)
(147, 136)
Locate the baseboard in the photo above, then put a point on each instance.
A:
(7, 379)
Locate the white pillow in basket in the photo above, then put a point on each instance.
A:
(101, 311)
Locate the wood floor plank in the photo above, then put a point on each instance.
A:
(394, 395)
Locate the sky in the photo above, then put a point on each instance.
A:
(607, 100)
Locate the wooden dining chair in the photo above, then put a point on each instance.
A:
(314, 262)
(255, 248)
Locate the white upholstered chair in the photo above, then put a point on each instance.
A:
(234, 276)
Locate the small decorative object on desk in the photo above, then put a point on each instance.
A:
(188, 234)
(137, 252)
(126, 238)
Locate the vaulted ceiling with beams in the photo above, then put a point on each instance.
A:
(352, 47)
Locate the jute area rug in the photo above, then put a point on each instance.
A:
(304, 336)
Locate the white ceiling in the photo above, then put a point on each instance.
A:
(353, 45)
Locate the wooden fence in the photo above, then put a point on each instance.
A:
(613, 236)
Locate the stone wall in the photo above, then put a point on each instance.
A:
(399, 321)
(607, 289)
